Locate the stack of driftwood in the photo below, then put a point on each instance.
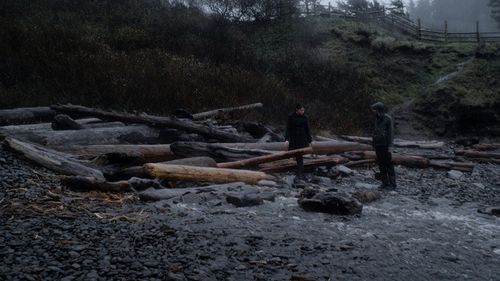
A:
(111, 151)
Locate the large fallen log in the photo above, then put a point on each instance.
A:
(449, 165)
(138, 171)
(203, 174)
(477, 154)
(486, 146)
(157, 121)
(25, 115)
(53, 160)
(142, 153)
(404, 160)
(289, 164)
(399, 143)
(220, 111)
(112, 135)
(219, 152)
(87, 123)
(266, 158)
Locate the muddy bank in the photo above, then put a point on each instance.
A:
(429, 229)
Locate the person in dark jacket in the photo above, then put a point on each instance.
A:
(382, 140)
(298, 135)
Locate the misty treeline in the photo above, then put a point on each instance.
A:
(460, 14)
(157, 56)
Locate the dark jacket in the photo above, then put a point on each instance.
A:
(297, 131)
(383, 128)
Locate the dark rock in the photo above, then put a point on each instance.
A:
(64, 122)
(331, 203)
(492, 211)
(182, 113)
(246, 199)
(366, 196)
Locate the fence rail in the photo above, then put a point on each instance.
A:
(404, 24)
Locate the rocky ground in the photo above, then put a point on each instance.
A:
(428, 229)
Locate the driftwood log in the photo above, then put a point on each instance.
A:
(25, 115)
(203, 174)
(266, 158)
(219, 152)
(157, 121)
(404, 160)
(486, 146)
(399, 143)
(221, 111)
(477, 154)
(113, 135)
(53, 160)
(143, 153)
(289, 164)
(450, 165)
(79, 183)
(139, 171)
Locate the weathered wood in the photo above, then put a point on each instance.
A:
(87, 123)
(450, 165)
(157, 121)
(53, 160)
(266, 158)
(399, 143)
(477, 154)
(113, 135)
(289, 164)
(404, 160)
(486, 146)
(219, 152)
(203, 174)
(25, 115)
(360, 163)
(64, 122)
(336, 147)
(138, 171)
(221, 111)
(143, 153)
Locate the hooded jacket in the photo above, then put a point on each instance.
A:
(297, 131)
(383, 135)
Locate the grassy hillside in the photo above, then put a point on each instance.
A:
(153, 56)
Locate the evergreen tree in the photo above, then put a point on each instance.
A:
(398, 7)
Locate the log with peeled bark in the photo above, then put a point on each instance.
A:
(449, 165)
(157, 121)
(220, 111)
(219, 152)
(289, 164)
(400, 143)
(477, 154)
(266, 158)
(138, 171)
(87, 123)
(404, 160)
(25, 115)
(203, 174)
(53, 160)
(142, 153)
(486, 146)
(113, 135)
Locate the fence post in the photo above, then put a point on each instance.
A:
(445, 30)
(419, 29)
(329, 7)
(478, 36)
(307, 7)
(392, 19)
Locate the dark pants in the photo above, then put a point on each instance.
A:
(384, 161)
(300, 166)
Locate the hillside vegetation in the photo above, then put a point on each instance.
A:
(154, 56)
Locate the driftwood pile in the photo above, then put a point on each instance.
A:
(111, 151)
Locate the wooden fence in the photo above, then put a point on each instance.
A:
(404, 24)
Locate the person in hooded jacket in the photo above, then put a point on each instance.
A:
(298, 135)
(382, 141)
